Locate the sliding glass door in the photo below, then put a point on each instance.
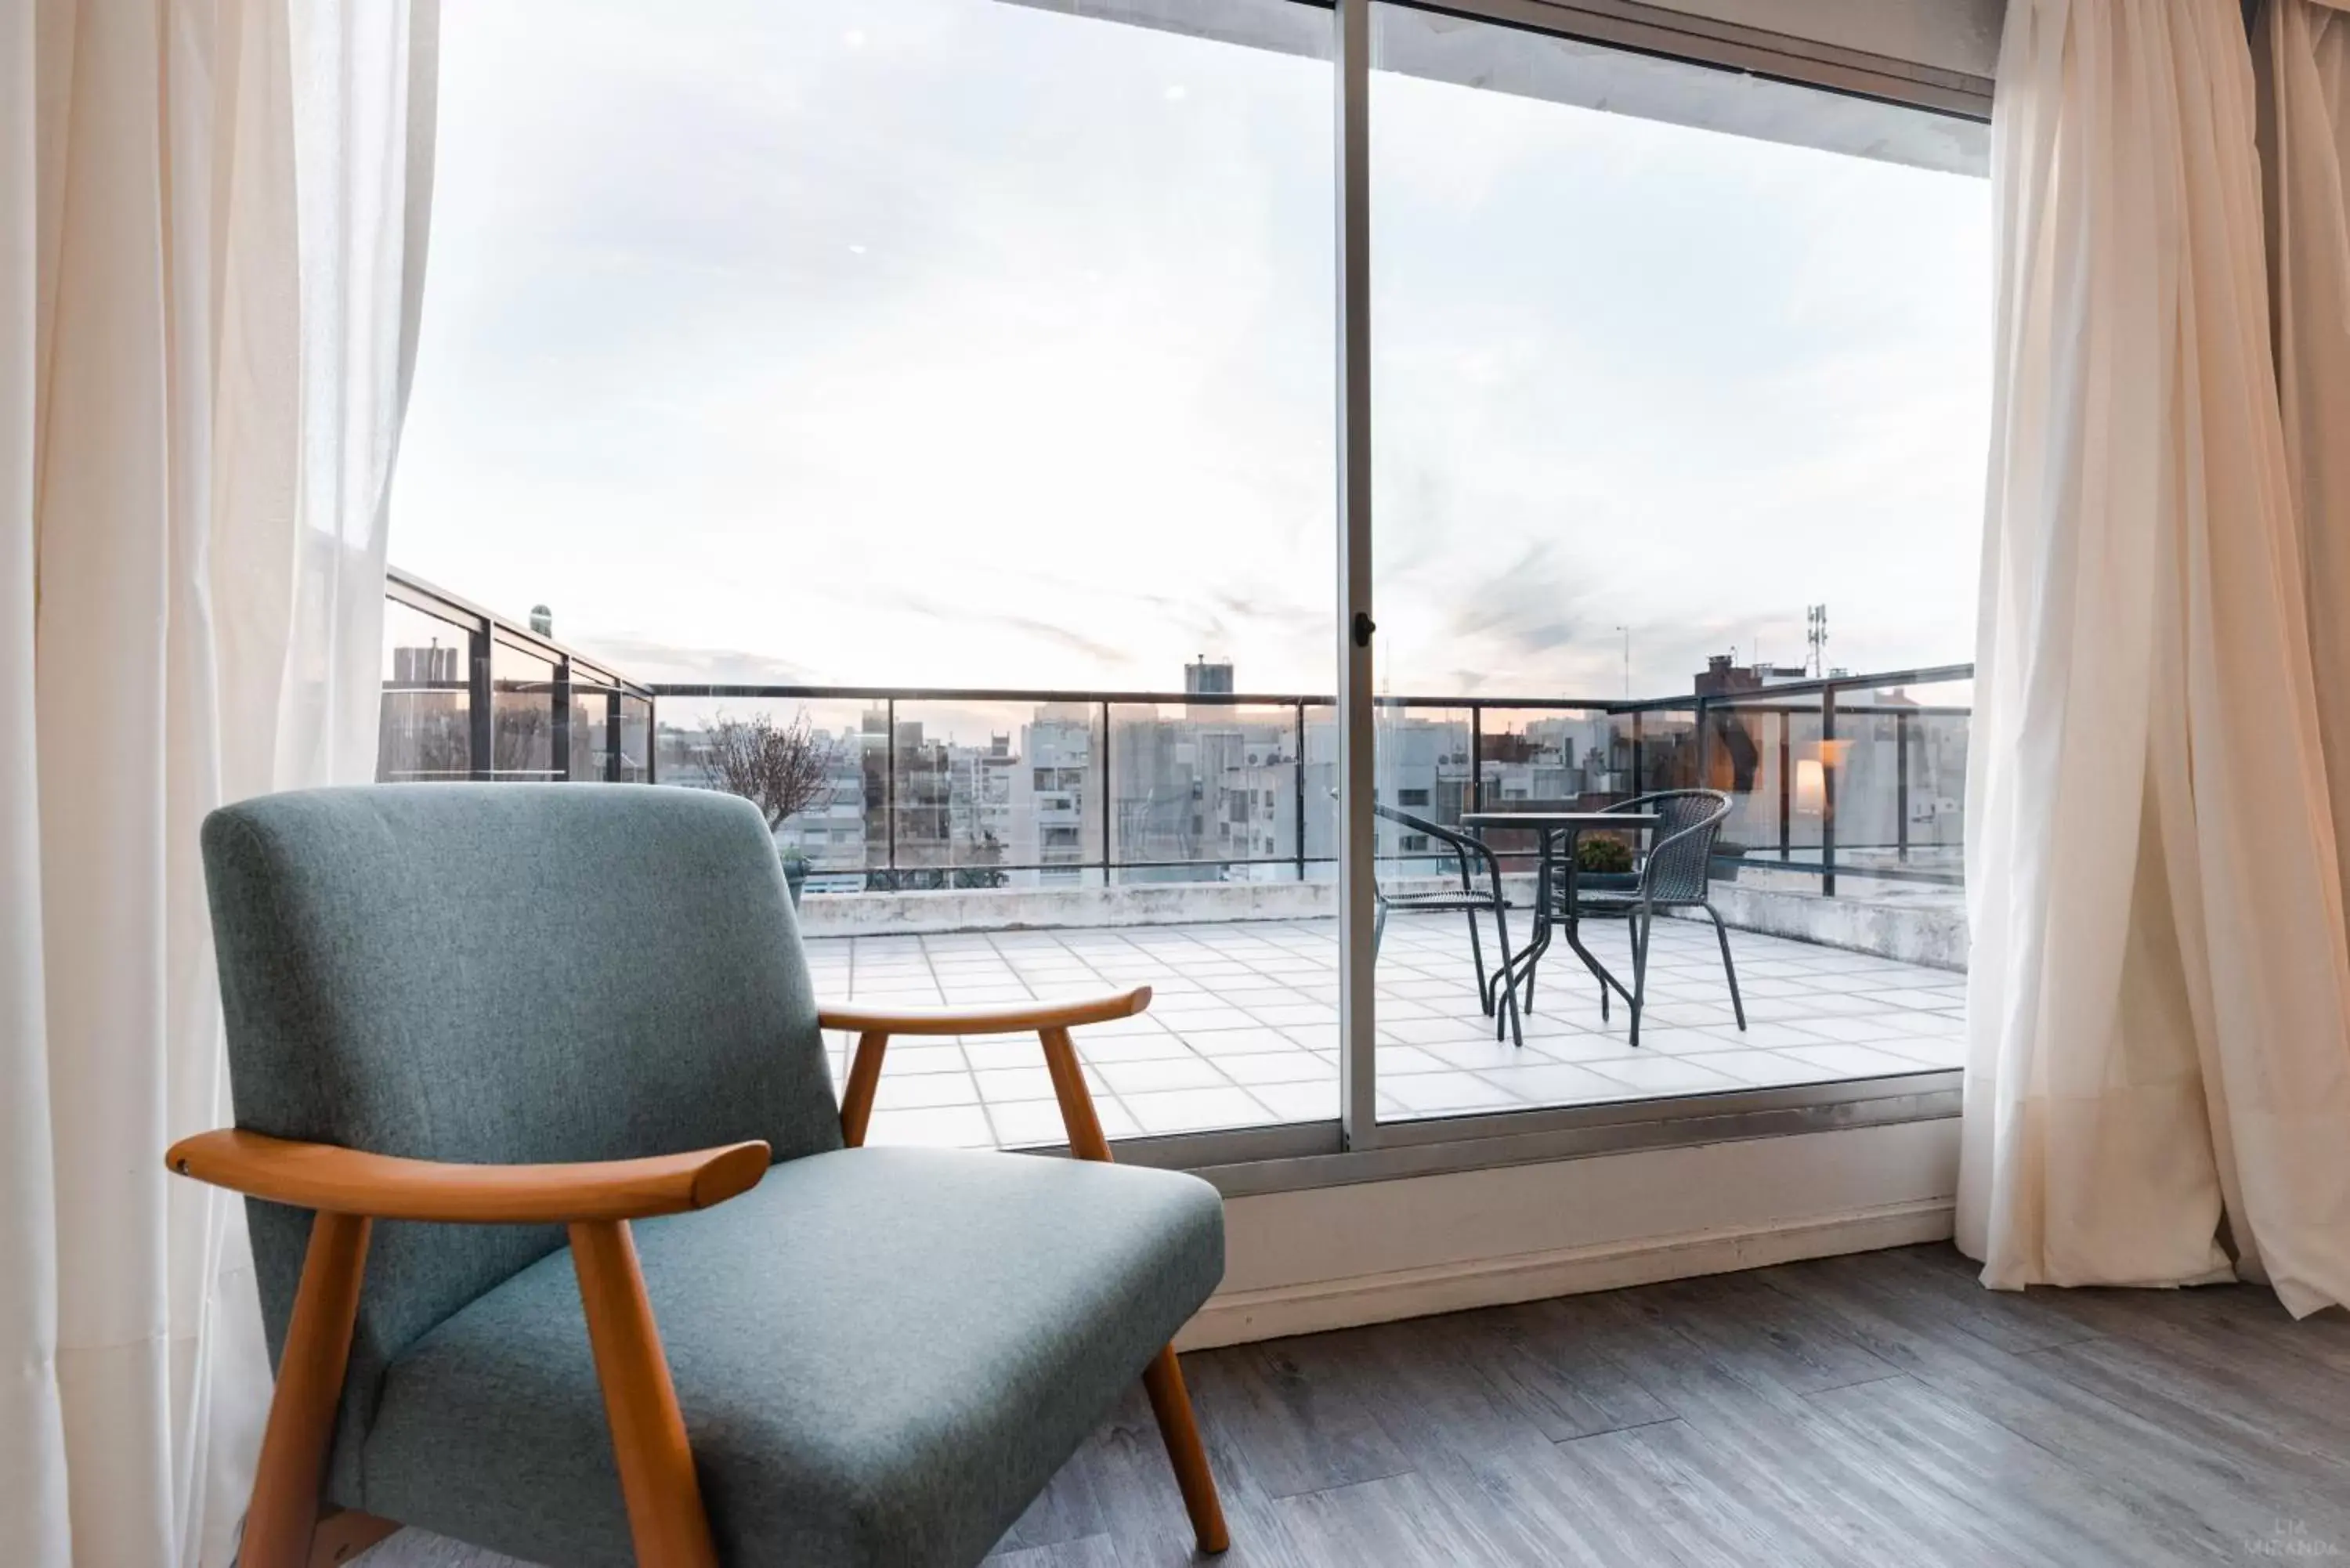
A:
(1671, 371)
(1165, 473)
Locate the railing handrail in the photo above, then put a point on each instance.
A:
(1075, 696)
(431, 597)
(1078, 696)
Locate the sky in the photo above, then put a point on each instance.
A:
(964, 343)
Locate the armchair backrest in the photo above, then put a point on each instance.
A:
(1680, 846)
(501, 973)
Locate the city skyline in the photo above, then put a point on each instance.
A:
(951, 342)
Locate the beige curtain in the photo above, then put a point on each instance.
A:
(2301, 60)
(210, 252)
(2158, 1077)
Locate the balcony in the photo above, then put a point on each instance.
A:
(968, 846)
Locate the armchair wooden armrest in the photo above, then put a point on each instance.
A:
(1052, 1020)
(384, 1186)
(992, 1018)
(350, 1189)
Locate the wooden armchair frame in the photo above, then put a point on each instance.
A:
(349, 1189)
(1052, 1020)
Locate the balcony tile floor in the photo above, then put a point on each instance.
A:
(1244, 1026)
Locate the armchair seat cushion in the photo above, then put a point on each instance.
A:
(881, 1356)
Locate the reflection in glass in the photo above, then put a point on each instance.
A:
(1216, 792)
(989, 794)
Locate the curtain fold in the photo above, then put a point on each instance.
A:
(209, 250)
(2158, 1000)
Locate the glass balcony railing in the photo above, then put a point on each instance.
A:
(1836, 784)
(468, 694)
(1840, 785)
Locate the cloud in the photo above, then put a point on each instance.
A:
(648, 661)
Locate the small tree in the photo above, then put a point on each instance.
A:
(782, 769)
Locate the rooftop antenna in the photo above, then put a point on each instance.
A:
(1816, 632)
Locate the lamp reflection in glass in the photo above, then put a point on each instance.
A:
(1811, 787)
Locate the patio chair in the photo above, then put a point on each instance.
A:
(1470, 900)
(476, 1031)
(1675, 874)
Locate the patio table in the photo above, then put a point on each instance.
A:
(1558, 832)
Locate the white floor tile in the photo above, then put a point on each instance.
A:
(1192, 1110)
(1662, 1074)
(1175, 1072)
(1854, 1061)
(938, 1126)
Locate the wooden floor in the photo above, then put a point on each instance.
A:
(1879, 1409)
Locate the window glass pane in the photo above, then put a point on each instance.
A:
(927, 346)
(636, 740)
(427, 723)
(1211, 791)
(522, 714)
(590, 726)
(1680, 387)
(813, 768)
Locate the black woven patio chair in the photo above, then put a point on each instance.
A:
(1469, 899)
(1674, 875)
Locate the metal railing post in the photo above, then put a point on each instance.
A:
(1901, 786)
(1107, 836)
(1828, 791)
(889, 786)
(1638, 773)
(1786, 771)
(562, 727)
(1475, 797)
(612, 753)
(1704, 780)
(480, 720)
(1297, 791)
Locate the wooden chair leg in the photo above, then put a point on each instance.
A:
(666, 1522)
(1171, 1403)
(864, 1079)
(1084, 1128)
(1163, 1379)
(284, 1510)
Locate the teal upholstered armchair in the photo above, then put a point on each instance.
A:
(566, 1247)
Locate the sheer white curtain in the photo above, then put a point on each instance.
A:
(211, 244)
(2159, 999)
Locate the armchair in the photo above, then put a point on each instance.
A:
(467, 1026)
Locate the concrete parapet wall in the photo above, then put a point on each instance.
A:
(1933, 933)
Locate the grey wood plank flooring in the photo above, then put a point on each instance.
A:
(1877, 1409)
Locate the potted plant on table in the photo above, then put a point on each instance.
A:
(1602, 860)
(782, 769)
